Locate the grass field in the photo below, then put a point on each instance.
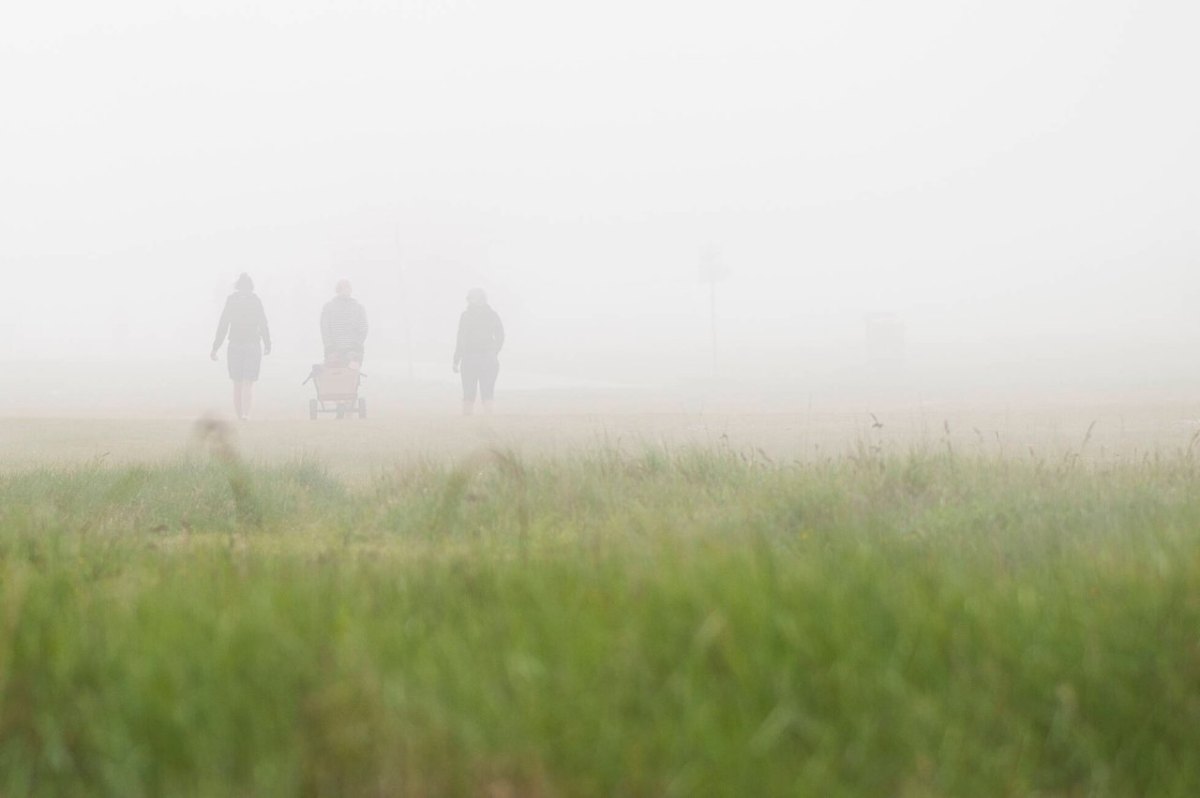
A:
(669, 620)
(1093, 430)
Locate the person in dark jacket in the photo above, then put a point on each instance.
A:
(343, 327)
(245, 322)
(480, 338)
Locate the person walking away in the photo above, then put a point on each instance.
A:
(480, 338)
(343, 328)
(245, 322)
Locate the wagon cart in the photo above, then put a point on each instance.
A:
(337, 391)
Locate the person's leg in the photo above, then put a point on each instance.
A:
(251, 362)
(247, 398)
(487, 384)
(233, 364)
(470, 384)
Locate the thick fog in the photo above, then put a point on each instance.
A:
(1013, 185)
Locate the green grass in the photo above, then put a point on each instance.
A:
(675, 623)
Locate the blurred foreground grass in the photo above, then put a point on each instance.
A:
(675, 623)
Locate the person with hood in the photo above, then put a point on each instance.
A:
(480, 338)
(344, 327)
(245, 322)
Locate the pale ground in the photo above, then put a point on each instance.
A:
(1118, 431)
(68, 412)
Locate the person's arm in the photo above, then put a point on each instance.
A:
(222, 331)
(326, 328)
(362, 325)
(458, 345)
(264, 328)
(498, 333)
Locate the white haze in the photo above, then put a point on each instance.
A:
(1018, 182)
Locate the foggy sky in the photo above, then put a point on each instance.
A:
(1006, 177)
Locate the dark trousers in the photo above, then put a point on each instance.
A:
(479, 374)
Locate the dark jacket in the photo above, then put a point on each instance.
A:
(480, 332)
(343, 325)
(244, 320)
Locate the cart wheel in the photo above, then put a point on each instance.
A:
(312, 409)
(362, 408)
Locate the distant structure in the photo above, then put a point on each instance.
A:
(884, 338)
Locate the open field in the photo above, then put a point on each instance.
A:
(1109, 431)
(636, 606)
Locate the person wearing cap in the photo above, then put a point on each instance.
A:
(245, 322)
(480, 338)
(344, 327)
